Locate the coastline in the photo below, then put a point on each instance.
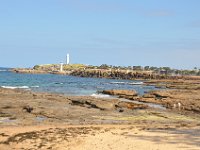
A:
(108, 73)
(32, 119)
(99, 75)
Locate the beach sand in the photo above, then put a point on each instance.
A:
(98, 137)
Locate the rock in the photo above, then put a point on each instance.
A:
(150, 100)
(86, 104)
(121, 110)
(130, 105)
(159, 94)
(120, 92)
(29, 71)
(148, 96)
(28, 109)
(91, 102)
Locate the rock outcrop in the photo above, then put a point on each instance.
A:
(181, 100)
(175, 99)
(130, 105)
(30, 108)
(30, 71)
(85, 71)
(120, 92)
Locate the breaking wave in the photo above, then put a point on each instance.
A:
(128, 83)
(15, 87)
(3, 70)
(35, 86)
(100, 95)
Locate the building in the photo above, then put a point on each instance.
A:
(61, 67)
(67, 59)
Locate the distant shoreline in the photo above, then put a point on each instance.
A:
(103, 72)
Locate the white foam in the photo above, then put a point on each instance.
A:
(129, 83)
(136, 83)
(3, 70)
(118, 82)
(36, 86)
(15, 87)
(100, 95)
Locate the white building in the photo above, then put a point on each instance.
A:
(61, 67)
(67, 59)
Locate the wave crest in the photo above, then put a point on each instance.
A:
(15, 87)
(128, 83)
(100, 95)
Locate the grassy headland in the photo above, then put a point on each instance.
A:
(114, 72)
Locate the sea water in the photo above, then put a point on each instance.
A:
(68, 85)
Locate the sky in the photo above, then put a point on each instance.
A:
(116, 32)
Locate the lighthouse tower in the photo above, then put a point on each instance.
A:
(61, 67)
(67, 59)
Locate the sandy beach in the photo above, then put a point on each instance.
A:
(115, 137)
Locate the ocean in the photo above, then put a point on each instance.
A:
(67, 85)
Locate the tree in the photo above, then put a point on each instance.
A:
(104, 66)
(36, 67)
(137, 67)
(146, 68)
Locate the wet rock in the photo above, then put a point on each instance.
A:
(120, 92)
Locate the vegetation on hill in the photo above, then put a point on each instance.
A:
(56, 67)
(146, 69)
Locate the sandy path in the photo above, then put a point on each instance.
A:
(100, 137)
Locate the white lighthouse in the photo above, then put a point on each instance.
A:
(61, 67)
(67, 59)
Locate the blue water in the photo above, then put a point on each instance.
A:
(68, 85)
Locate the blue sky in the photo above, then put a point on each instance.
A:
(116, 32)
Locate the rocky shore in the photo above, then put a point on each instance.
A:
(21, 107)
(107, 73)
(30, 120)
(181, 95)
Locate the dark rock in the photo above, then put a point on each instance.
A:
(28, 109)
(121, 110)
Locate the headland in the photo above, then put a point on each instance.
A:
(113, 72)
